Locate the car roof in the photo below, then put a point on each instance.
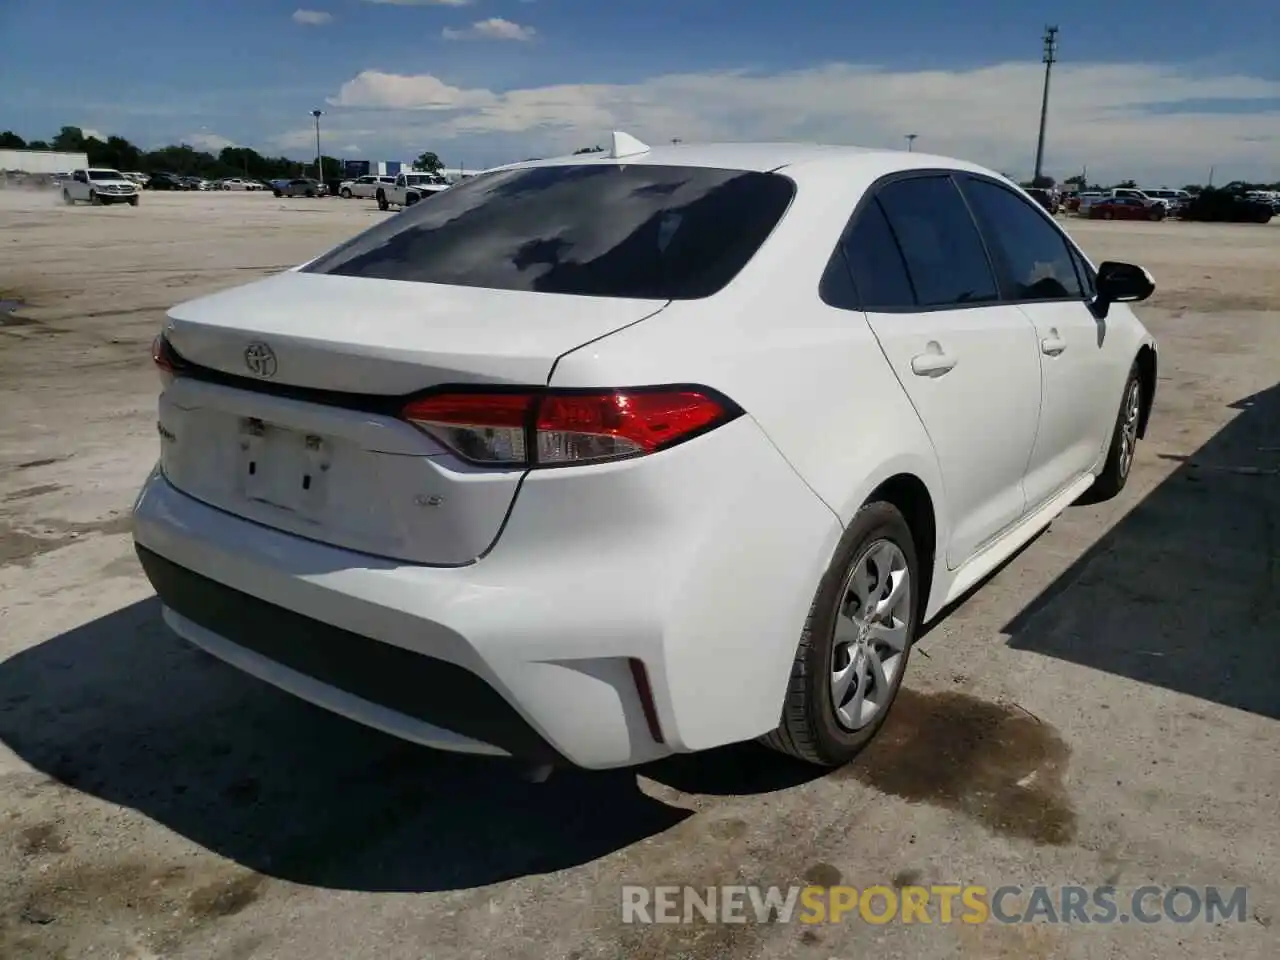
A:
(801, 158)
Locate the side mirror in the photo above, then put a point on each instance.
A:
(1119, 282)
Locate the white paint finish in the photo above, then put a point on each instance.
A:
(392, 337)
(980, 408)
(601, 563)
(1084, 362)
(641, 558)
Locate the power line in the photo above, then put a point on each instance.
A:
(1049, 58)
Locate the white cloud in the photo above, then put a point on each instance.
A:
(495, 28)
(1139, 120)
(90, 133)
(350, 148)
(313, 18)
(208, 141)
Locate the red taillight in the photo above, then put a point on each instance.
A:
(160, 353)
(551, 428)
(165, 357)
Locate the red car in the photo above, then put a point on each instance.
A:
(1125, 208)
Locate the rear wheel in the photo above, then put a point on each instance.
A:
(1124, 443)
(854, 648)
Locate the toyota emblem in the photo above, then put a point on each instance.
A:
(260, 359)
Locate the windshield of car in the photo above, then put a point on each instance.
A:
(105, 175)
(609, 230)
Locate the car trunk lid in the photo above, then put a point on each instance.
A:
(288, 413)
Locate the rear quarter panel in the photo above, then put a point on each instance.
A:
(813, 377)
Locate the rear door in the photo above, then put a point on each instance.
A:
(968, 362)
(1082, 368)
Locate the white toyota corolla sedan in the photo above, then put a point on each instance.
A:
(599, 459)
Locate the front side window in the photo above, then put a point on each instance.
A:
(610, 230)
(939, 241)
(1035, 263)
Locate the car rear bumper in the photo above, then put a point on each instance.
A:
(689, 573)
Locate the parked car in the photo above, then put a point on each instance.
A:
(1046, 198)
(301, 187)
(100, 186)
(545, 467)
(1227, 206)
(1080, 202)
(165, 181)
(408, 189)
(364, 188)
(239, 183)
(1125, 208)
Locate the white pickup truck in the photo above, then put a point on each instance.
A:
(409, 188)
(99, 185)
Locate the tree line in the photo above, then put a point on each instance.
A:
(182, 159)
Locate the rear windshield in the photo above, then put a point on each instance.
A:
(606, 230)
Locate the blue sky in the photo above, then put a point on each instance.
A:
(1143, 89)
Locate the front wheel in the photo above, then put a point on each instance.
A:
(382, 201)
(1124, 443)
(346, 194)
(133, 201)
(855, 645)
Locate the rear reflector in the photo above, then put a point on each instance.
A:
(559, 428)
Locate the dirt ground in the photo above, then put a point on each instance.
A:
(1104, 711)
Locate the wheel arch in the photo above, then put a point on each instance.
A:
(911, 496)
(1147, 366)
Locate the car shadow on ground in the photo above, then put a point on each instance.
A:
(1184, 592)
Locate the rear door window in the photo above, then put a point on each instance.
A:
(940, 243)
(611, 230)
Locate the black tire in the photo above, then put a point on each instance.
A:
(278, 193)
(94, 198)
(133, 201)
(346, 193)
(809, 729)
(382, 201)
(1107, 215)
(1116, 470)
(311, 194)
(66, 198)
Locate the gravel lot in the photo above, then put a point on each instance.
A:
(154, 803)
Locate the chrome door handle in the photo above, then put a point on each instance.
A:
(933, 363)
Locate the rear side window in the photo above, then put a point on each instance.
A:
(608, 230)
(939, 241)
(1033, 256)
(875, 262)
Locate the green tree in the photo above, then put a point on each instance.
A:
(11, 141)
(1127, 184)
(429, 162)
(69, 140)
(38, 145)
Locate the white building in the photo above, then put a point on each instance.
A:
(42, 161)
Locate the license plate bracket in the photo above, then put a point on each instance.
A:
(282, 468)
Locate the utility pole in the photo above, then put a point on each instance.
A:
(911, 140)
(1050, 57)
(319, 163)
